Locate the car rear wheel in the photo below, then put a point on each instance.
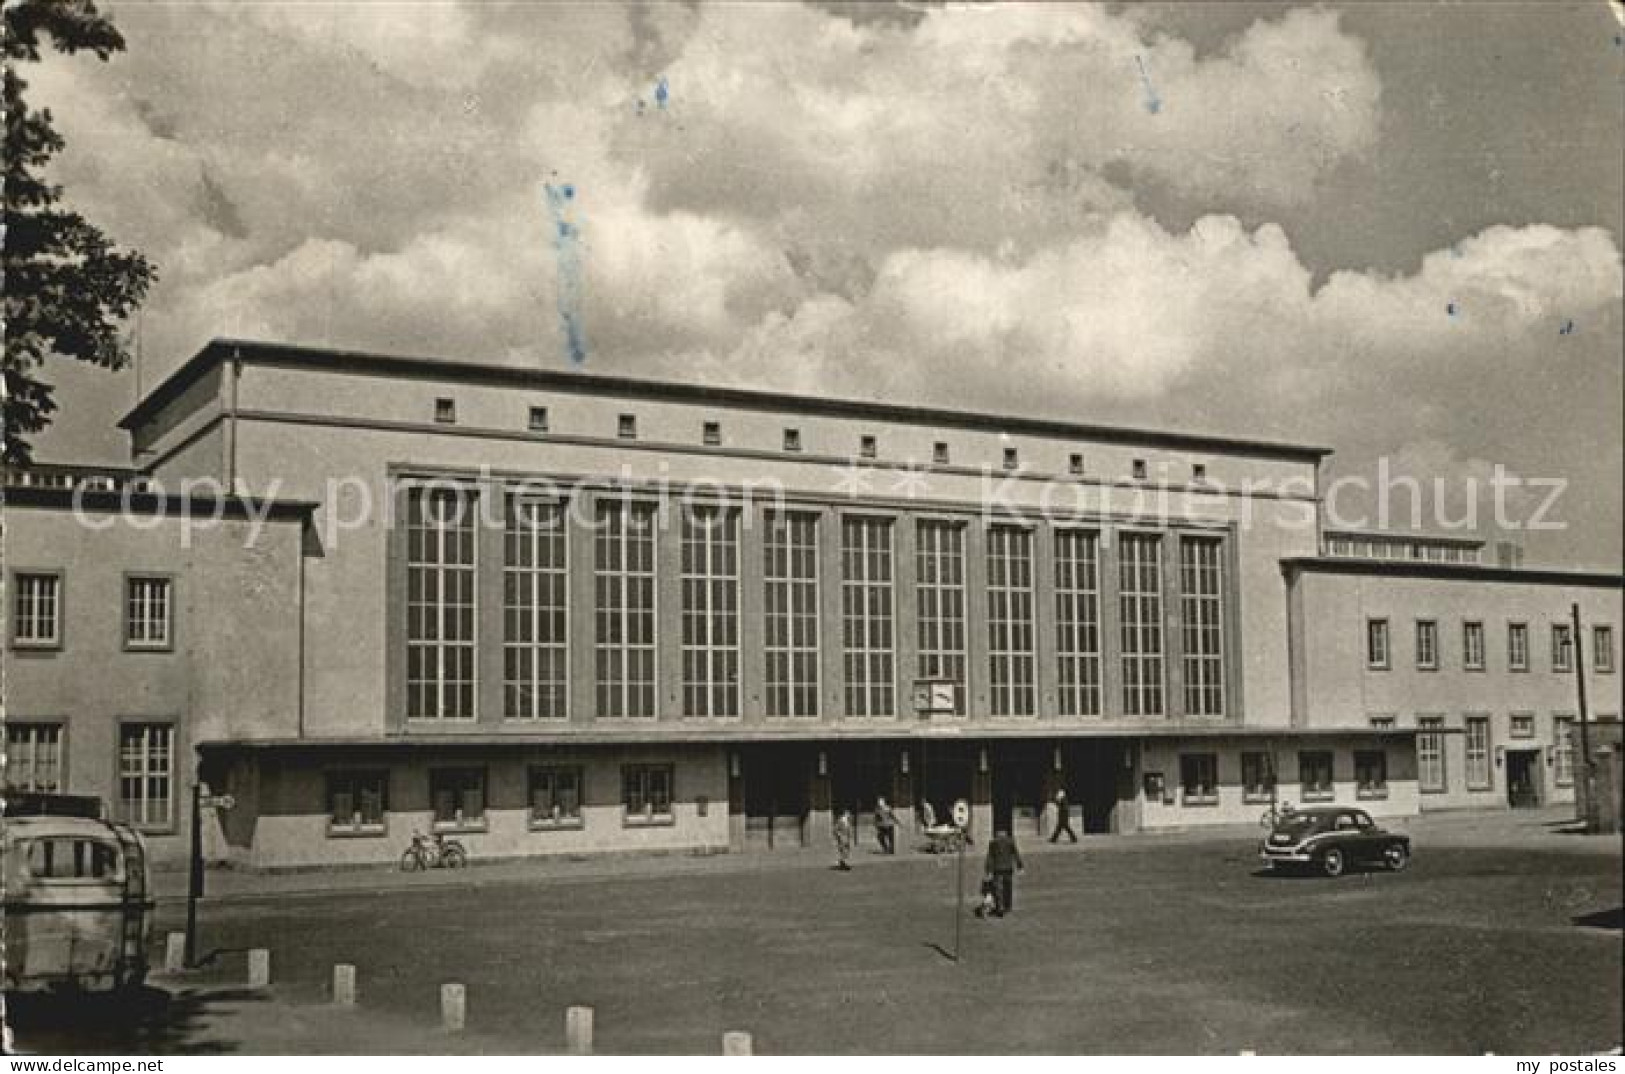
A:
(1396, 856)
(1331, 862)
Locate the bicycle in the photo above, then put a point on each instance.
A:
(433, 852)
(1275, 814)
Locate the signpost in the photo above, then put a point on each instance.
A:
(961, 817)
(194, 887)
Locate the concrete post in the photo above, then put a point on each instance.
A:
(453, 1007)
(735, 1043)
(175, 952)
(578, 1031)
(259, 968)
(344, 985)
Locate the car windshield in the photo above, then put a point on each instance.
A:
(1300, 823)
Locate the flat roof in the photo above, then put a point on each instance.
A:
(286, 354)
(902, 732)
(156, 503)
(1457, 572)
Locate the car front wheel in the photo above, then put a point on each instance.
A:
(1397, 856)
(1331, 862)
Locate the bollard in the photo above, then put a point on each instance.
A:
(453, 1007)
(578, 1031)
(175, 952)
(344, 985)
(259, 967)
(736, 1043)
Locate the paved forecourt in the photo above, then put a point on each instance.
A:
(1503, 936)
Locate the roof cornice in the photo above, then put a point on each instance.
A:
(292, 355)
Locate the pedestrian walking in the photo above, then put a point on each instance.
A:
(1063, 819)
(885, 827)
(1003, 863)
(843, 840)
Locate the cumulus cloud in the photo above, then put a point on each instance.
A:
(942, 207)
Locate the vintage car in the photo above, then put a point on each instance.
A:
(1331, 839)
(77, 904)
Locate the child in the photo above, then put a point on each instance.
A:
(989, 902)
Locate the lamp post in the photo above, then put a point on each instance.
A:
(1583, 787)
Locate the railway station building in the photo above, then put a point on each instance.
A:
(564, 613)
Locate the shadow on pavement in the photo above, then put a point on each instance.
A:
(143, 1020)
(1603, 919)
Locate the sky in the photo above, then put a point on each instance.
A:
(1392, 229)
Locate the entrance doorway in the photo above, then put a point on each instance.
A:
(776, 798)
(1523, 778)
(1096, 785)
(946, 773)
(1018, 788)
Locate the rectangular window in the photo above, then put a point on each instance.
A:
(555, 796)
(1011, 458)
(535, 641)
(445, 411)
(1376, 644)
(624, 608)
(1427, 645)
(1517, 647)
(357, 802)
(1602, 649)
(792, 439)
(1139, 470)
(457, 796)
(1370, 774)
(940, 601)
(866, 616)
(1563, 750)
(711, 434)
(1077, 621)
(1472, 646)
(148, 613)
(1478, 753)
(710, 611)
(1315, 775)
(1198, 471)
(1199, 779)
(939, 453)
(1257, 777)
(440, 603)
(1201, 588)
(868, 447)
(538, 419)
(1074, 463)
(36, 620)
(790, 579)
(146, 786)
(626, 427)
(1521, 725)
(1140, 614)
(646, 793)
(1430, 772)
(1383, 723)
(33, 757)
(1010, 640)
(1562, 647)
